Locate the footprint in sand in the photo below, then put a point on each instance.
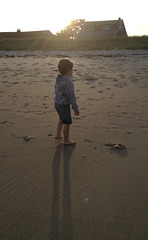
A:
(5, 121)
(100, 91)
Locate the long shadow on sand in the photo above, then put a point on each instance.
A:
(61, 230)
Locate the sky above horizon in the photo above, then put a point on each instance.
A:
(33, 15)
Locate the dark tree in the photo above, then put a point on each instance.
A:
(71, 30)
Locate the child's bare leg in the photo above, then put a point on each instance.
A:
(59, 129)
(66, 135)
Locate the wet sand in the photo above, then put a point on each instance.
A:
(90, 191)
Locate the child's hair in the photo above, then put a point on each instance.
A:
(64, 66)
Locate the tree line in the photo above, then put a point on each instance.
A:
(71, 31)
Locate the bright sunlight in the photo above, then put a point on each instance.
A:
(32, 15)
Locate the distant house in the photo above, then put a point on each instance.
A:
(100, 29)
(19, 34)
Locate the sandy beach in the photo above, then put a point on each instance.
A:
(88, 192)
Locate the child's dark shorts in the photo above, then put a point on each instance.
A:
(64, 113)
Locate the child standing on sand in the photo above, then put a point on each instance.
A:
(64, 97)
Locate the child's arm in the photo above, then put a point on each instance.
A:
(72, 98)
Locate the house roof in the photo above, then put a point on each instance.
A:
(102, 22)
(109, 28)
(31, 34)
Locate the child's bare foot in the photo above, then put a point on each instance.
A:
(68, 143)
(58, 137)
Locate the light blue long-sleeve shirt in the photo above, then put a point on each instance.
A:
(64, 92)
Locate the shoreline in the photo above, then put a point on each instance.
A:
(72, 53)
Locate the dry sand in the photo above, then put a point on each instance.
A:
(86, 192)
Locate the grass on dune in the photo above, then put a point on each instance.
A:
(56, 43)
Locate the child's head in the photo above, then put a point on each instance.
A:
(65, 66)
